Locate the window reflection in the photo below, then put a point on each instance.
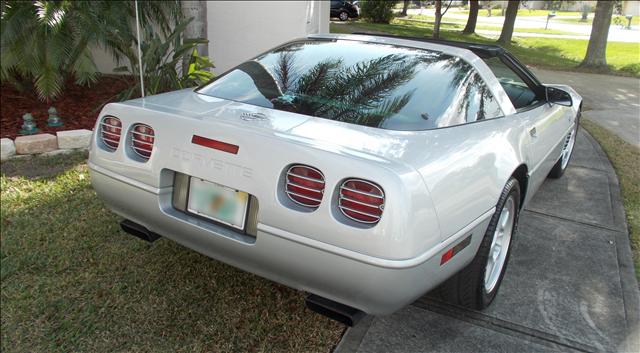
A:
(362, 83)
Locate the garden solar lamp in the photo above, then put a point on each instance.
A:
(629, 17)
(54, 119)
(29, 126)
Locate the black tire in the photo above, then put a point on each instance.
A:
(343, 16)
(558, 169)
(467, 287)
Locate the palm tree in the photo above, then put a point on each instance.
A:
(470, 87)
(46, 42)
(357, 94)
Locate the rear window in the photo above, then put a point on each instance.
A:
(369, 84)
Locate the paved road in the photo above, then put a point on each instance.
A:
(569, 286)
(496, 33)
(611, 101)
(616, 33)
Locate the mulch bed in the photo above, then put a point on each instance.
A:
(78, 106)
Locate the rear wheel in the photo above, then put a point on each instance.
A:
(343, 16)
(476, 285)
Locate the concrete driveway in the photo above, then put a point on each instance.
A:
(610, 101)
(570, 285)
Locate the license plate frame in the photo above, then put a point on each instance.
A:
(241, 200)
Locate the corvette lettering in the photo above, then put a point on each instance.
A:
(224, 167)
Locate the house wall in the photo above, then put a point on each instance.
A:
(104, 61)
(566, 6)
(240, 30)
(631, 8)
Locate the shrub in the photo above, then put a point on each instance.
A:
(46, 42)
(377, 11)
(163, 59)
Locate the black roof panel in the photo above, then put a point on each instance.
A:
(482, 50)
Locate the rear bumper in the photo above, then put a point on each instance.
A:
(373, 285)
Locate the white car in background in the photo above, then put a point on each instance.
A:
(364, 170)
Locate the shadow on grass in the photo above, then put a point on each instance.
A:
(73, 281)
(39, 167)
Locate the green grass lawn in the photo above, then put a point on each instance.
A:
(526, 13)
(72, 281)
(625, 159)
(550, 53)
(521, 12)
(453, 24)
(564, 16)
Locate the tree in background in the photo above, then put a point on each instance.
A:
(596, 56)
(509, 22)
(489, 5)
(439, 15)
(377, 11)
(405, 7)
(470, 28)
(555, 5)
(436, 24)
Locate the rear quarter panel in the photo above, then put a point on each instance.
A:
(466, 167)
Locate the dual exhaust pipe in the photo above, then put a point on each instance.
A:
(323, 306)
(334, 310)
(139, 231)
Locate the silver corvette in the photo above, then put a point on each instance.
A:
(364, 170)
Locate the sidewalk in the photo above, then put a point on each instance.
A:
(570, 285)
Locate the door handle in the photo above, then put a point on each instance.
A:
(533, 132)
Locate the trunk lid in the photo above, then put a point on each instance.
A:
(365, 142)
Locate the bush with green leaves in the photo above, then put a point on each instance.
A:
(46, 43)
(169, 62)
(377, 11)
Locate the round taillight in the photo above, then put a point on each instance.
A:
(142, 139)
(110, 131)
(361, 200)
(305, 185)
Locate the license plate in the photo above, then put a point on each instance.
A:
(218, 202)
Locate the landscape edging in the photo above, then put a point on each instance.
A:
(73, 140)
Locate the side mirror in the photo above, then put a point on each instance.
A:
(558, 96)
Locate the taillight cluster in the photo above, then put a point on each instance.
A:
(359, 200)
(142, 136)
(110, 131)
(305, 185)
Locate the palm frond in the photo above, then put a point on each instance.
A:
(46, 42)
